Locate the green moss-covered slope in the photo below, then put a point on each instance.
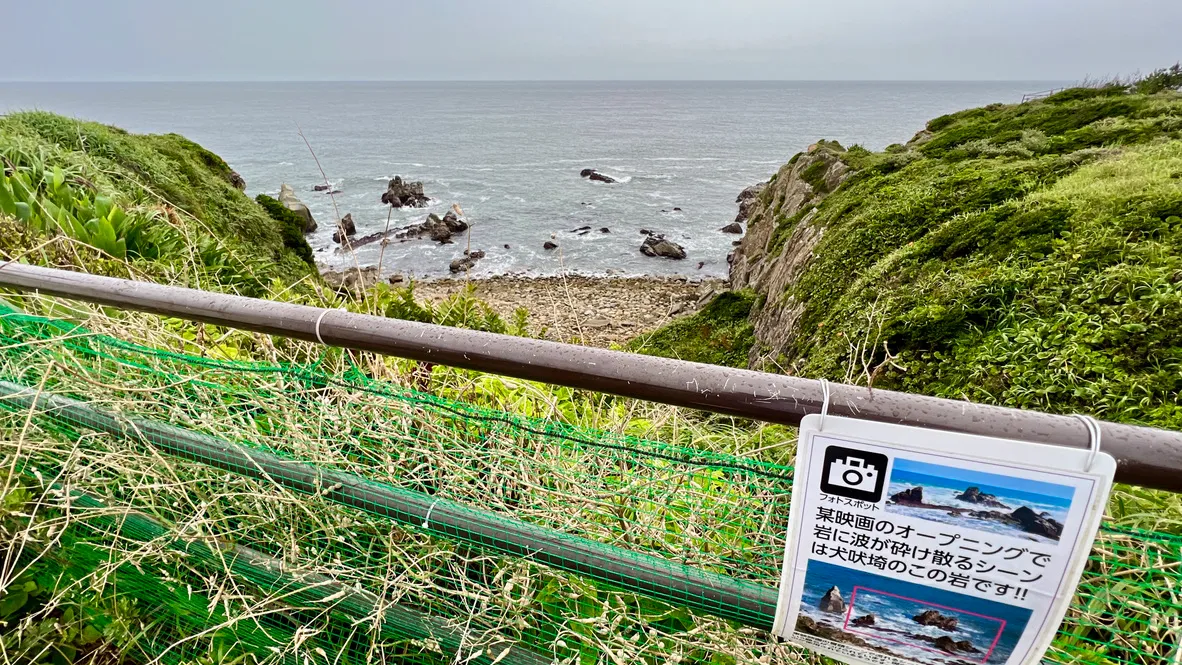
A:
(1027, 255)
(178, 202)
(720, 334)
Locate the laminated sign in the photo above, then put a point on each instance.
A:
(909, 545)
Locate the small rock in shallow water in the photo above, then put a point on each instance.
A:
(659, 246)
(549, 245)
(733, 227)
(605, 230)
(466, 262)
(596, 175)
(346, 224)
(506, 245)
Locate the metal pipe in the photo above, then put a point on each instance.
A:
(1145, 456)
(746, 602)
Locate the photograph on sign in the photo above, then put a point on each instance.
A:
(904, 619)
(908, 545)
(977, 500)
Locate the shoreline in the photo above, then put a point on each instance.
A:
(596, 311)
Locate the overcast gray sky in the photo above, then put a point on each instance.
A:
(586, 39)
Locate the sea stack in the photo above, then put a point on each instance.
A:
(832, 601)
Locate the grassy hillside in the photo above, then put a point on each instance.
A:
(719, 334)
(162, 202)
(1028, 255)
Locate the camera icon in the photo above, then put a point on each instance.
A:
(854, 474)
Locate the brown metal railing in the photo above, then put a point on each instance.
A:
(1145, 456)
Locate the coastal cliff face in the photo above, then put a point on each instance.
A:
(772, 255)
(1026, 254)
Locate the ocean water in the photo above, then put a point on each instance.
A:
(941, 491)
(510, 153)
(894, 603)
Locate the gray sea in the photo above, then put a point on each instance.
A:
(510, 153)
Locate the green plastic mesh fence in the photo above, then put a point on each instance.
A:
(365, 521)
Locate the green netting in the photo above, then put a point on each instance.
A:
(570, 543)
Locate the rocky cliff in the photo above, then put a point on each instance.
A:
(1024, 254)
(772, 254)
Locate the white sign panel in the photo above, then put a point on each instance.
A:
(910, 545)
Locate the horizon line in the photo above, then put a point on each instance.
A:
(654, 80)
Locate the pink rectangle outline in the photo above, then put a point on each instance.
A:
(850, 613)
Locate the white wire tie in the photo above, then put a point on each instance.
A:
(824, 404)
(428, 517)
(1093, 438)
(318, 320)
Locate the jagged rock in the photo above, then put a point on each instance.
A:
(237, 181)
(770, 269)
(397, 279)
(454, 223)
(807, 625)
(735, 243)
(934, 618)
(404, 194)
(466, 262)
(659, 246)
(974, 495)
(747, 200)
(949, 645)
(645, 232)
(288, 198)
(733, 227)
(700, 264)
(335, 191)
(832, 601)
(549, 245)
(321, 188)
(913, 496)
(1032, 522)
(596, 175)
(345, 225)
(352, 279)
(863, 621)
(677, 210)
(506, 245)
(605, 230)
(439, 229)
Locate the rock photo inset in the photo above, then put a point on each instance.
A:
(911, 621)
(1026, 509)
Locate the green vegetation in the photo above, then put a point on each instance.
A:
(162, 202)
(292, 227)
(1028, 255)
(719, 334)
(1024, 255)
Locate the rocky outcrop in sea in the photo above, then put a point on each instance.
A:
(592, 174)
(292, 202)
(658, 245)
(402, 194)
